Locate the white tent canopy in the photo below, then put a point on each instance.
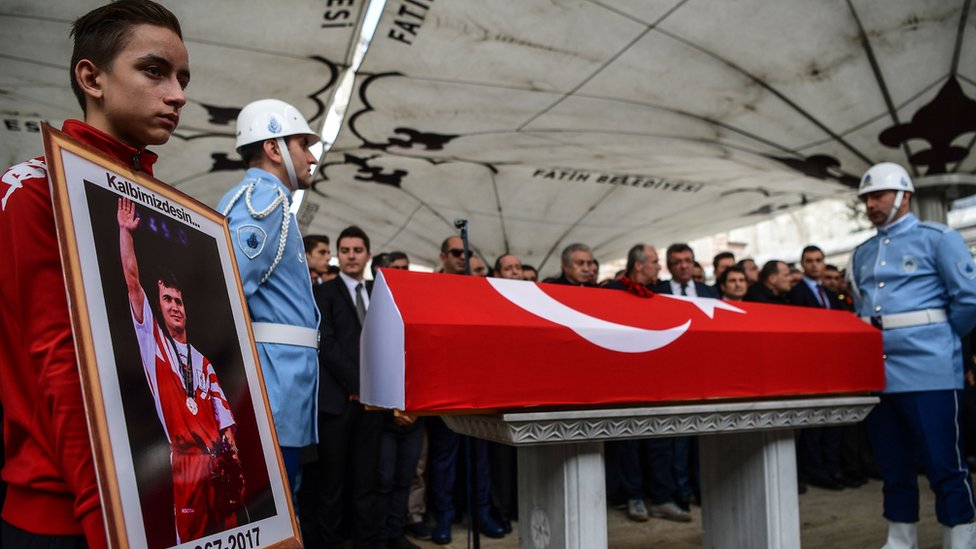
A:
(550, 122)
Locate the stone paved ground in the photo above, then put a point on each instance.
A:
(850, 519)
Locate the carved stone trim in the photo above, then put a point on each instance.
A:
(622, 423)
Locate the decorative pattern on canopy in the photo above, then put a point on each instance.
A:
(550, 122)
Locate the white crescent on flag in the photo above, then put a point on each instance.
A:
(609, 335)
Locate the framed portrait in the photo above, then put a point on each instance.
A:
(183, 439)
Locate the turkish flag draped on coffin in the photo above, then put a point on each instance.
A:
(436, 342)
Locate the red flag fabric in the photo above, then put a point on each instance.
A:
(436, 343)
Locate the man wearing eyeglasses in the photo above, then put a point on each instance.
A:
(452, 255)
(578, 266)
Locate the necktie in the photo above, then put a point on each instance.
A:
(360, 303)
(823, 297)
(684, 288)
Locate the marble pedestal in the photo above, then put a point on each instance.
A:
(748, 465)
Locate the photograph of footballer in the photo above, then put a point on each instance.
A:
(175, 400)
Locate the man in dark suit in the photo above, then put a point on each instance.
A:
(348, 434)
(681, 264)
(720, 263)
(833, 280)
(809, 292)
(578, 266)
(445, 445)
(773, 285)
(819, 447)
(674, 460)
(622, 457)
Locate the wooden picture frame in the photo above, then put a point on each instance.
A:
(152, 449)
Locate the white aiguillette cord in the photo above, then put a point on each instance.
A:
(282, 200)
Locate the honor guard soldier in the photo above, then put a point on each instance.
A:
(916, 282)
(274, 139)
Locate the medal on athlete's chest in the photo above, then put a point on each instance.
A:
(186, 373)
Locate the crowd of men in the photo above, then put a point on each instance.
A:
(371, 477)
(418, 460)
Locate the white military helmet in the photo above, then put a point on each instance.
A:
(272, 119)
(886, 176)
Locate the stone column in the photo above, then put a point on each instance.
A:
(562, 496)
(749, 490)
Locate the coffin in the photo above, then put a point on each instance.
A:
(442, 343)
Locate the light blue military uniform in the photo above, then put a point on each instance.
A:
(915, 266)
(917, 281)
(279, 291)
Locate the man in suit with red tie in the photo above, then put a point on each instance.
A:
(819, 447)
(348, 434)
(810, 292)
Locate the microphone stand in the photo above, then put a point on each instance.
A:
(474, 522)
(463, 225)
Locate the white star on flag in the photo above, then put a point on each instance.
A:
(706, 304)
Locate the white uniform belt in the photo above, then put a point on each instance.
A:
(286, 334)
(906, 320)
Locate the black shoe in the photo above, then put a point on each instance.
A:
(491, 528)
(418, 530)
(801, 487)
(442, 533)
(401, 543)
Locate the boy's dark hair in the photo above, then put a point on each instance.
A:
(102, 33)
(353, 231)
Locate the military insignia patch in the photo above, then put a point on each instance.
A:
(909, 264)
(251, 240)
(967, 268)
